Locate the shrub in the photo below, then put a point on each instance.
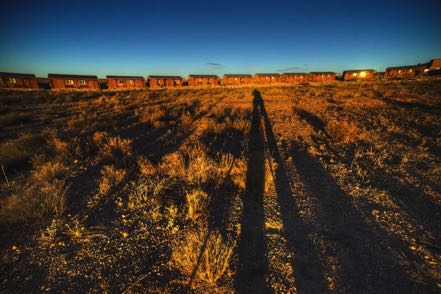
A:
(215, 258)
(113, 148)
(197, 202)
(18, 151)
(342, 131)
(146, 167)
(191, 164)
(110, 177)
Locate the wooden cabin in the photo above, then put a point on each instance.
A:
(294, 78)
(125, 82)
(203, 80)
(237, 79)
(407, 71)
(165, 82)
(435, 64)
(322, 76)
(266, 78)
(18, 80)
(358, 74)
(74, 82)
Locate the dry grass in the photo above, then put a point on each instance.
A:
(110, 177)
(197, 201)
(215, 258)
(18, 151)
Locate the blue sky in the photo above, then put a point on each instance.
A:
(215, 37)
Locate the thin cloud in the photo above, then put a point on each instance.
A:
(215, 65)
(293, 68)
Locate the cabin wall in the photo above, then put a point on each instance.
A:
(137, 83)
(266, 79)
(294, 79)
(20, 83)
(349, 76)
(60, 84)
(203, 81)
(237, 80)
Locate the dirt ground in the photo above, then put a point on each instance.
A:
(319, 188)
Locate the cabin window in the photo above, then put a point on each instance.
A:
(121, 82)
(12, 80)
(363, 74)
(354, 74)
(273, 78)
(235, 79)
(82, 82)
(399, 71)
(426, 70)
(69, 82)
(410, 70)
(130, 82)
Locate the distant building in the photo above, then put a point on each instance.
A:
(125, 82)
(435, 67)
(406, 71)
(203, 80)
(294, 78)
(18, 80)
(74, 82)
(44, 83)
(358, 74)
(165, 81)
(266, 78)
(322, 76)
(237, 79)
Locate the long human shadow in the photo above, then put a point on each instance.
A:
(364, 252)
(253, 264)
(414, 201)
(308, 264)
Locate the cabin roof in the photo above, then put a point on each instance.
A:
(65, 76)
(16, 75)
(407, 66)
(124, 77)
(238, 75)
(166, 77)
(266, 74)
(357, 70)
(294, 74)
(203, 76)
(323, 73)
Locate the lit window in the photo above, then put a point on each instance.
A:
(410, 70)
(69, 82)
(130, 82)
(273, 78)
(82, 82)
(399, 71)
(363, 74)
(354, 74)
(426, 70)
(12, 80)
(235, 79)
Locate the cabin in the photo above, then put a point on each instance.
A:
(294, 78)
(407, 71)
(237, 79)
(44, 83)
(358, 74)
(266, 78)
(435, 64)
(156, 82)
(74, 82)
(18, 80)
(125, 82)
(203, 80)
(326, 76)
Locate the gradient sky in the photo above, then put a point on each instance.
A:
(215, 37)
